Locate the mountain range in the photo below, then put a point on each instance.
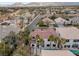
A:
(20, 4)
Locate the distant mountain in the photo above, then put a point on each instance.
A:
(53, 4)
(5, 4)
(20, 4)
(17, 4)
(44, 4)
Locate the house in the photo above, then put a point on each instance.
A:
(74, 20)
(49, 21)
(71, 35)
(44, 34)
(60, 21)
(46, 19)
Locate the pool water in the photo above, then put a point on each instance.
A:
(76, 52)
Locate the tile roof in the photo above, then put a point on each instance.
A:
(59, 20)
(47, 20)
(68, 32)
(44, 33)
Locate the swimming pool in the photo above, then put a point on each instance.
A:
(76, 52)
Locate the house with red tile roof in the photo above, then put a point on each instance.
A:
(44, 34)
(69, 34)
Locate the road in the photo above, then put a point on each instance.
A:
(32, 25)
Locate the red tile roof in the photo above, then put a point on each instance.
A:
(43, 33)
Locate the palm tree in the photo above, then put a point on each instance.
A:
(51, 38)
(60, 42)
(63, 41)
(39, 42)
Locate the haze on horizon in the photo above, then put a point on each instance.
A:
(39, 3)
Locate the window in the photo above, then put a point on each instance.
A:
(66, 46)
(67, 40)
(48, 39)
(33, 45)
(76, 40)
(48, 45)
(75, 46)
(33, 37)
(42, 45)
(54, 45)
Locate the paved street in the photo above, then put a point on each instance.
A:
(32, 25)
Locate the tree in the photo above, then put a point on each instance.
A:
(10, 43)
(24, 36)
(5, 49)
(51, 38)
(39, 42)
(22, 50)
(11, 39)
(42, 24)
(59, 41)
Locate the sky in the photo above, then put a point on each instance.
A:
(12, 2)
(9, 3)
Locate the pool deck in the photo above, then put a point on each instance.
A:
(57, 53)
